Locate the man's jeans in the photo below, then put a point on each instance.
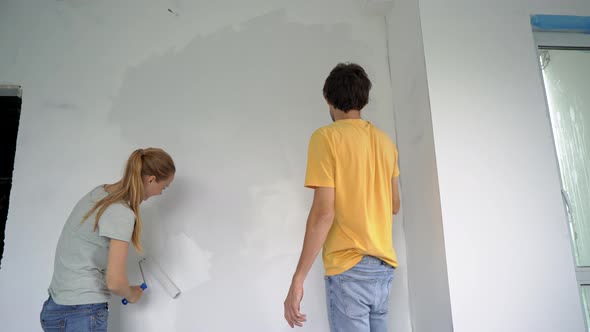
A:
(358, 299)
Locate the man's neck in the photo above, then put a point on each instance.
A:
(352, 114)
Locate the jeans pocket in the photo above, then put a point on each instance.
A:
(354, 297)
(53, 325)
(102, 315)
(385, 288)
(50, 321)
(100, 319)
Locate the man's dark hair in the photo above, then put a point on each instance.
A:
(347, 87)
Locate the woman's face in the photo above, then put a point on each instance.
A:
(153, 187)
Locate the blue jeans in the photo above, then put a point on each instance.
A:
(358, 299)
(79, 318)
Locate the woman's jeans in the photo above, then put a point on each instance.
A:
(80, 318)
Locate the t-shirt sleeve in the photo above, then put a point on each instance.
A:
(395, 162)
(117, 222)
(320, 162)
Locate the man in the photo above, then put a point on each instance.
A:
(352, 167)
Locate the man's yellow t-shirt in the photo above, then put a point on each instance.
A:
(359, 161)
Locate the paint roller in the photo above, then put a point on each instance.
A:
(143, 285)
(151, 267)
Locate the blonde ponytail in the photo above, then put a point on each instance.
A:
(129, 190)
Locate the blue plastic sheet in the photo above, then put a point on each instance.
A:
(561, 23)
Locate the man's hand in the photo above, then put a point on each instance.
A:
(292, 303)
(319, 222)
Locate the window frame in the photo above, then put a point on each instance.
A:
(565, 41)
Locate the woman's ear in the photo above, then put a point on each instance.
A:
(151, 179)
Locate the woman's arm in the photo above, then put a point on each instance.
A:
(117, 275)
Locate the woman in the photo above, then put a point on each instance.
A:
(91, 254)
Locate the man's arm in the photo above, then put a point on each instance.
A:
(319, 222)
(395, 194)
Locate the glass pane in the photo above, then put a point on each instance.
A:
(586, 298)
(567, 77)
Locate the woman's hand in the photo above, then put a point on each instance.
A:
(136, 293)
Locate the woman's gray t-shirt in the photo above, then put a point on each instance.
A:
(82, 253)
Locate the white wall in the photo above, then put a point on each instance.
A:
(233, 91)
(509, 260)
(427, 271)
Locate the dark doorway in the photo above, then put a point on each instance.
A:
(9, 117)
